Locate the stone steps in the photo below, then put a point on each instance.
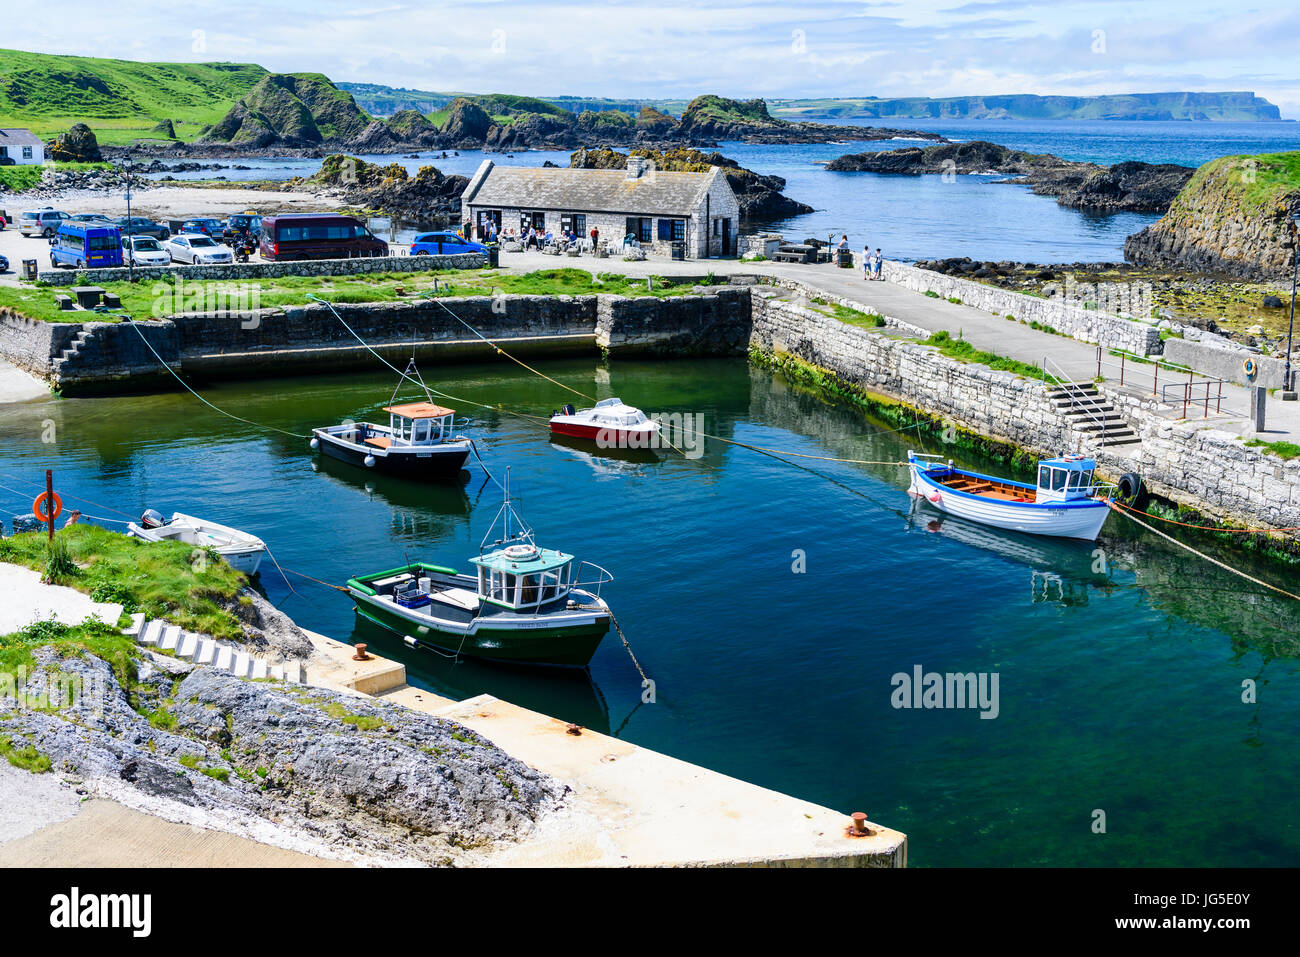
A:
(1091, 413)
(209, 652)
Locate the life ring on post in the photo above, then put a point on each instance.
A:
(38, 507)
(1250, 367)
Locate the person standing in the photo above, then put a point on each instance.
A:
(876, 262)
(595, 238)
(866, 262)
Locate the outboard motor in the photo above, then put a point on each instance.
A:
(567, 410)
(152, 519)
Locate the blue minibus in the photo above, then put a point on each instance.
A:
(86, 246)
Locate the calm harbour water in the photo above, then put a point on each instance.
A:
(1120, 687)
(923, 217)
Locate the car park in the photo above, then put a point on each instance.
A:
(41, 222)
(140, 226)
(197, 249)
(86, 246)
(144, 251)
(444, 243)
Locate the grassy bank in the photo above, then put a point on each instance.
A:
(189, 587)
(158, 300)
(19, 179)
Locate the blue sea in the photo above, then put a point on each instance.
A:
(924, 217)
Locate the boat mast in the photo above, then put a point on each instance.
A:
(505, 515)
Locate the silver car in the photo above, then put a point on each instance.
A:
(197, 249)
(144, 251)
(41, 222)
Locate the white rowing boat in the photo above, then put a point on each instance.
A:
(242, 551)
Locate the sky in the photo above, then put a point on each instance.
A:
(681, 48)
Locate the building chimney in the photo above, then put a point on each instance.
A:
(636, 165)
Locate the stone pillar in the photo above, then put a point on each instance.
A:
(1257, 396)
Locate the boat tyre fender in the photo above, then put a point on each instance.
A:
(1130, 487)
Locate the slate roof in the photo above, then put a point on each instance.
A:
(14, 137)
(588, 190)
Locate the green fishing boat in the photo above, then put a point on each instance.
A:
(524, 604)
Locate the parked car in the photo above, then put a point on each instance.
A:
(144, 251)
(317, 236)
(86, 246)
(444, 243)
(139, 226)
(197, 249)
(97, 218)
(4, 264)
(243, 224)
(208, 227)
(41, 222)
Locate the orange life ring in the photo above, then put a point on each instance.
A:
(38, 510)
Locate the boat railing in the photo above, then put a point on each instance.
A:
(600, 576)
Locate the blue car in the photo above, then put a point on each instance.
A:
(445, 243)
(4, 264)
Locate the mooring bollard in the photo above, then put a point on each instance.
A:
(360, 653)
(859, 826)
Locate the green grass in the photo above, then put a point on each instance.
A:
(24, 756)
(100, 639)
(120, 100)
(854, 317)
(162, 579)
(139, 299)
(963, 351)
(1285, 450)
(17, 179)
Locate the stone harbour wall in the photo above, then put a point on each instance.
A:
(1000, 405)
(716, 323)
(1225, 362)
(274, 270)
(1088, 325)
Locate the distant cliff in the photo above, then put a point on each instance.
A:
(1031, 106)
(1232, 216)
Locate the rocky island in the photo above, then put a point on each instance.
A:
(1124, 187)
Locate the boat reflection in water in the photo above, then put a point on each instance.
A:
(568, 694)
(1061, 570)
(605, 460)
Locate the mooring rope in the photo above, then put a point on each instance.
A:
(1210, 528)
(622, 637)
(1199, 554)
(239, 418)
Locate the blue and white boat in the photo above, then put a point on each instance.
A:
(1067, 502)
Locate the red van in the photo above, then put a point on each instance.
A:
(317, 236)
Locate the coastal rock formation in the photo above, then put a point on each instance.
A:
(760, 196)
(329, 773)
(1231, 217)
(78, 145)
(165, 129)
(409, 126)
(289, 108)
(713, 118)
(426, 200)
(467, 124)
(1131, 186)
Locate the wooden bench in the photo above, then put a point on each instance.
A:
(379, 441)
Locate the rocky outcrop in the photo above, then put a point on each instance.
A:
(331, 774)
(1131, 186)
(165, 129)
(290, 109)
(409, 126)
(426, 200)
(78, 145)
(467, 124)
(711, 118)
(760, 197)
(1231, 217)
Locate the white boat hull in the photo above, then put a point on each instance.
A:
(1075, 519)
(241, 551)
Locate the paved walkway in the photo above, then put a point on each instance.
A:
(987, 332)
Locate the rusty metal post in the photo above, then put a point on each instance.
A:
(1121, 368)
(49, 502)
(1155, 379)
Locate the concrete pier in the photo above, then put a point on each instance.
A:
(630, 806)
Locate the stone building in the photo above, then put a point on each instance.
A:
(22, 146)
(695, 215)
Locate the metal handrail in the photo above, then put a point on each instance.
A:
(1075, 393)
(604, 577)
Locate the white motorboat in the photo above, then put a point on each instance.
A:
(242, 551)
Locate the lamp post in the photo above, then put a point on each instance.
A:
(130, 245)
(1288, 385)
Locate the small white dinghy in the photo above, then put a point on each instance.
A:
(242, 552)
